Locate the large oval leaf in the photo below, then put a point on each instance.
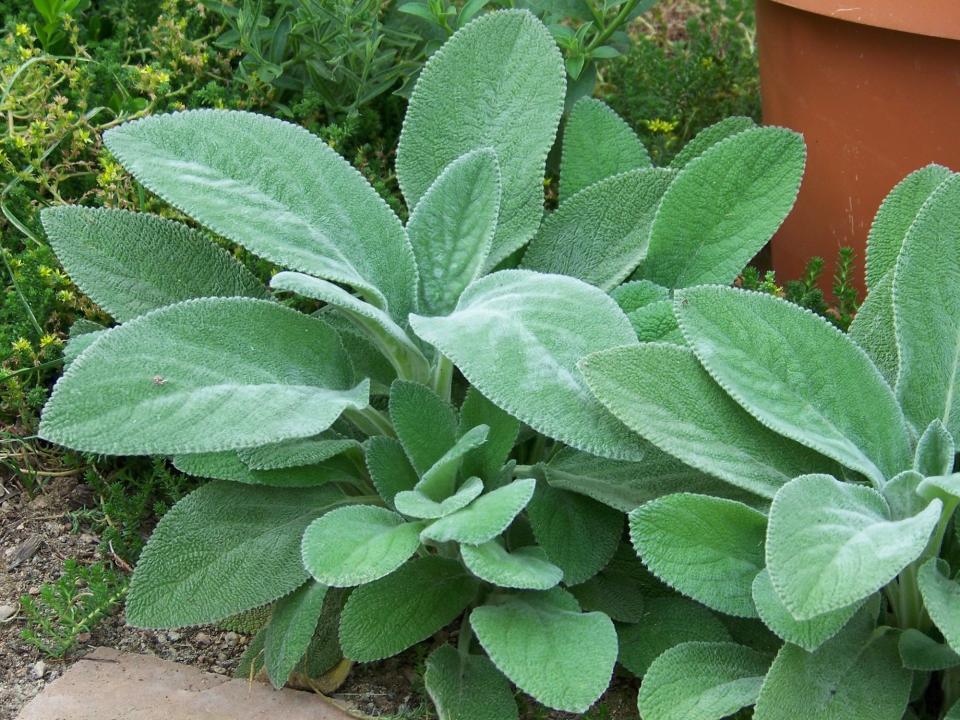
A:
(452, 227)
(926, 309)
(279, 191)
(131, 263)
(517, 336)
(600, 234)
(203, 376)
(564, 658)
(663, 393)
(597, 144)
(723, 207)
(499, 82)
(798, 375)
(223, 549)
(467, 687)
(831, 544)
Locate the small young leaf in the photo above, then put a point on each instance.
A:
(935, 451)
(708, 548)
(808, 634)
(578, 534)
(386, 617)
(667, 621)
(941, 597)
(926, 309)
(290, 630)
(425, 424)
(389, 468)
(919, 651)
(657, 323)
(525, 568)
(831, 544)
(702, 681)
(663, 393)
(902, 496)
(485, 518)
(452, 227)
(439, 481)
(486, 460)
(223, 549)
(358, 544)
(388, 337)
(850, 676)
(131, 263)
(798, 375)
(723, 207)
(544, 644)
(541, 326)
(467, 687)
(498, 82)
(600, 234)
(637, 294)
(597, 144)
(203, 376)
(710, 136)
(894, 218)
(279, 191)
(415, 504)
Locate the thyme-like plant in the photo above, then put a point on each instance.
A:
(848, 548)
(363, 490)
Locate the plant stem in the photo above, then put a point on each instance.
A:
(465, 637)
(31, 368)
(617, 21)
(369, 420)
(442, 379)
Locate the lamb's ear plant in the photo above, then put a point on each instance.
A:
(851, 439)
(363, 493)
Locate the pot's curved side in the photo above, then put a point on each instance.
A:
(936, 18)
(873, 104)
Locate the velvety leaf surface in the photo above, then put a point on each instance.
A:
(486, 460)
(662, 393)
(525, 568)
(440, 480)
(389, 467)
(941, 597)
(416, 504)
(223, 549)
(830, 544)
(702, 681)
(541, 641)
(131, 263)
(723, 207)
(872, 329)
(578, 534)
(919, 651)
(617, 590)
(710, 136)
(926, 308)
(452, 227)
(667, 622)
(600, 234)
(228, 465)
(541, 326)
(708, 548)
(808, 634)
(597, 144)
(323, 652)
(637, 294)
(485, 518)
(291, 627)
(499, 82)
(894, 218)
(848, 677)
(656, 323)
(297, 452)
(386, 335)
(798, 375)
(358, 544)
(425, 424)
(935, 451)
(386, 617)
(203, 376)
(279, 191)
(467, 687)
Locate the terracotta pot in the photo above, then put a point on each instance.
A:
(874, 86)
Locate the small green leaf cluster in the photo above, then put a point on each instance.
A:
(424, 448)
(847, 548)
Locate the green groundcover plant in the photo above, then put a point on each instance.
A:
(397, 433)
(850, 557)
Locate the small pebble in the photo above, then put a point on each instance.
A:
(38, 669)
(88, 538)
(7, 612)
(173, 636)
(201, 638)
(33, 591)
(83, 637)
(231, 638)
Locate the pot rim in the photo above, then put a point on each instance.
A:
(934, 18)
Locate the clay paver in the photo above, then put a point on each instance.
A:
(111, 685)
